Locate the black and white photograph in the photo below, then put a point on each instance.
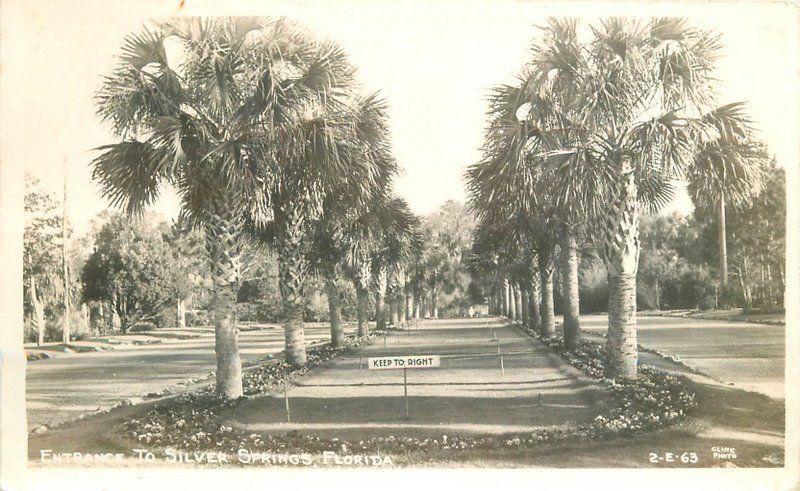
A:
(290, 237)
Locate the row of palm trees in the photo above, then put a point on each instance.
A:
(601, 122)
(269, 140)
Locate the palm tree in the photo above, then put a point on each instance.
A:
(169, 120)
(336, 239)
(727, 168)
(253, 122)
(325, 258)
(301, 132)
(400, 239)
(507, 187)
(643, 85)
(625, 106)
(549, 94)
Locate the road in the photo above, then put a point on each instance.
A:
(751, 356)
(60, 389)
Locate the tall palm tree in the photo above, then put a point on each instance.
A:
(336, 236)
(624, 105)
(643, 86)
(169, 117)
(727, 168)
(549, 97)
(325, 258)
(507, 187)
(253, 122)
(305, 132)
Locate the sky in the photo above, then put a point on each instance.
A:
(433, 61)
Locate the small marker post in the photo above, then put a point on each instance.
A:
(405, 389)
(502, 367)
(286, 398)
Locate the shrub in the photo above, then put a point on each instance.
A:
(199, 318)
(698, 287)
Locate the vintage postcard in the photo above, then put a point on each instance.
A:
(268, 240)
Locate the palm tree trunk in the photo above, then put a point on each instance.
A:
(723, 243)
(569, 292)
(224, 250)
(417, 301)
(546, 309)
(506, 298)
(292, 271)
(334, 308)
(85, 314)
(116, 321)
(498, 302)
(380, 296)
(745, 280)
(362, 286)
(658, 295)
(391, 306)
(524, 308)
(621, 253)
(517, 302)
(535, 299)
(409, 304)
(181, 313)
(361, 310)
(226, 344)
(435, 301)
(770, 290)
(401, 308)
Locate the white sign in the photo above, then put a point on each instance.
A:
(403, 361)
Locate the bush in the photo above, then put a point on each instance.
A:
(142, 327)
(199, 318)
(698, 287)
(593, 289)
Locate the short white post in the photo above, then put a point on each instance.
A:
(286, 398)
(405, 389)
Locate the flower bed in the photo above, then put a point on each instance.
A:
(193, 422)
(654, 400)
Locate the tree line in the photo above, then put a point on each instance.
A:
(272, 144)
(603, 119)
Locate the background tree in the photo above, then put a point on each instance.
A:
(41, 254)
(186, 244)
(759, 245)
(133, 269)
(727, 169)
(450, 231)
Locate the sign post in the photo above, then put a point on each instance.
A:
(405, 389)
(286, 398)
(403, 362)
